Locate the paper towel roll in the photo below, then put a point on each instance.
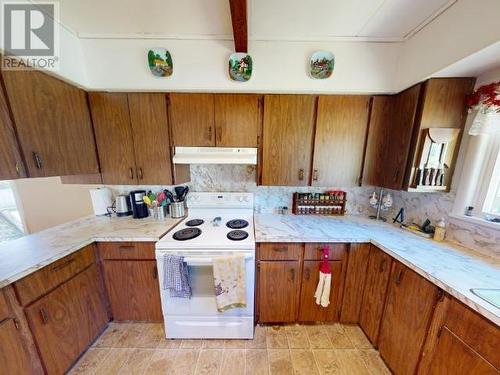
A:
(101, 200)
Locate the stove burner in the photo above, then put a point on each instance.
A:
(237, 235)
(194, 222)
(237, 224)
(186, 234)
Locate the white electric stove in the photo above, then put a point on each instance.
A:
(218, 224)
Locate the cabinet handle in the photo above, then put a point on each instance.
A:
(315, 175)
(382, 265)
(62, 265)
(399, 277)
(301, 174)
(16, 323)
(396, 175)
(18, 169)
(292, 274)
(38, 160)
(209, 133)
(131, 173)
(126, 247)
(307, 274)
(155, 272)
(440, 295)
(280, 249)
(44, 316)
(219, 134)
(140, 175)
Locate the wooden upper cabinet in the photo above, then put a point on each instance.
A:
(11, 163)
(53, 124)
(377, 279)
(113, 134)
(339, 145)
(148, 116)
(192, 119)
(237, 120)
(288, 139)
(278, 291)
(398, 143)
(374, 168)
(408, 310)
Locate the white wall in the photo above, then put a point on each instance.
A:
(465, 28)
(201, 65)
(45, 202)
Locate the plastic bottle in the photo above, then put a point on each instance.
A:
(440, 230)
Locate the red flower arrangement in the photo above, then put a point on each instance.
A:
(487, 95)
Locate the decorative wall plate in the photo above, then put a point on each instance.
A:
(321, 64)
(240, 66)
(160, 62)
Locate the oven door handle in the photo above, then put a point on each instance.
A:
(206, 261)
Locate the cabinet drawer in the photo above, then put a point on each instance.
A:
(4, 309)
(280, 251)
(126, 250)
(480, 334)
(37, 284)
(313, 251)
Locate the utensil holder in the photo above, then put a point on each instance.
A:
(177, 210)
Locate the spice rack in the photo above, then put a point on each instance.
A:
(331, 203)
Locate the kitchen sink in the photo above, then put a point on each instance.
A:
(491, 296)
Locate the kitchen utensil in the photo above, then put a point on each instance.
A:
(169, 195)
(123, 206)
(178, 191)
(147, 200)
(139, 208)
(184, 193)
(177, 210)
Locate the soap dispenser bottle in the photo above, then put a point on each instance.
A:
(440, 230)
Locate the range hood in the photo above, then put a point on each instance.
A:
(214, 155)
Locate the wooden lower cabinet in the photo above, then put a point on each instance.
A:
(410, 303)
(377, 279)
(133, 290)
(278, 290)
(67, 320)
(309, 311)
(354, 282)
(453, 356)
(14, 358)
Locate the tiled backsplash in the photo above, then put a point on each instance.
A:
(418, 206)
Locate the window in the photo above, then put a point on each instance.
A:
(11, 226)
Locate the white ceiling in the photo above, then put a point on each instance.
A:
(386, 20)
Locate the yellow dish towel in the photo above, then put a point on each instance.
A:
(230, 282)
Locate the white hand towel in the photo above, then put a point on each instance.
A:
(322, 293)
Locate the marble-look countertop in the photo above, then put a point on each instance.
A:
(27, 254)
(453, 268)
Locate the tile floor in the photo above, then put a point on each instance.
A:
(140, 348)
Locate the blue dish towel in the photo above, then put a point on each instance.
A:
(176, 276)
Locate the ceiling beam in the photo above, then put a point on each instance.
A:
(240, 28)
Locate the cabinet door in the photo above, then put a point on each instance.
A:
(278, 291)
(374, 170)
(192, 119)
(409, 306)
(339, 145)
(53, 124)
(377, 278)
(237, 120)
(113, 134)
(309, 311)
(133, 290)
(453, 356)
(148, 116)
(11, 163)
(355, 282)
(13, 356)
(56, 323)
(287, 139)
(398, 143)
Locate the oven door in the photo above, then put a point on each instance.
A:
(202, 301)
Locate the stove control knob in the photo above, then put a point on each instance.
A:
(240, 199)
